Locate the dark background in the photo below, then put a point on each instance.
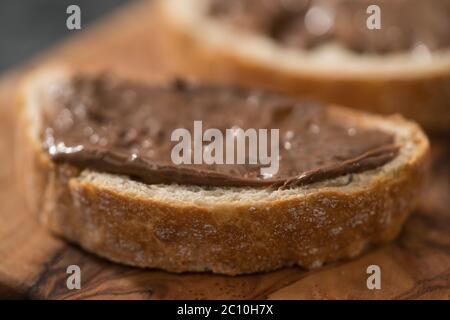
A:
(29, 26)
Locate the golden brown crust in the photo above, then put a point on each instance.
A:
(150, 234)
(424, 97)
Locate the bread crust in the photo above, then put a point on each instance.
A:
(227, 238)
(423, 96)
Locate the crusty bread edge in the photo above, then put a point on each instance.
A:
(419, 93)
(306, 230)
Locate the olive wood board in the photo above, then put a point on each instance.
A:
(33, 262)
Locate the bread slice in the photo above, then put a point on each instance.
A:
(391, 83)
(228, 230)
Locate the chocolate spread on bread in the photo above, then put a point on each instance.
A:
(405, 24)
(125, 128)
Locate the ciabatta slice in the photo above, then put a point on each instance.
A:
(228, 230)
(400, 82)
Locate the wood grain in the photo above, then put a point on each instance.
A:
(33, 262)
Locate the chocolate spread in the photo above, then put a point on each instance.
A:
(125, 128)
(405, 24)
